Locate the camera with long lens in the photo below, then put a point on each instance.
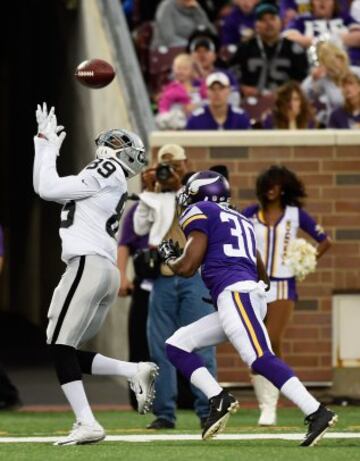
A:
(163, 172)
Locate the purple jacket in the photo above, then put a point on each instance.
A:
(236, 27)
(202, 119)
(341, 119)
(128, 237)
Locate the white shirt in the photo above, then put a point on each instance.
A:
(93, 202)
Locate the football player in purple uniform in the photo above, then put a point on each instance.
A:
(222, 242)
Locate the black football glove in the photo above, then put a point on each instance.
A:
(168, 249)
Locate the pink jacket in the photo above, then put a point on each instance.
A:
(173, 93)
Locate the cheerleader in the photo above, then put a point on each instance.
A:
(277, 219)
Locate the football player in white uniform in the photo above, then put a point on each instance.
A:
(92, 202)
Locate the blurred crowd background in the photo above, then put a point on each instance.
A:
(289, 63)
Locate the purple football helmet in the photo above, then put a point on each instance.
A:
(208, 186)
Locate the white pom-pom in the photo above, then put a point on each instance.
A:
(301, 257)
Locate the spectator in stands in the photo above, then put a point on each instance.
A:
(325, 20)
(238, 26)
(128, 8)
(323, 84)
(179, 98)
(203, 47)
(290, 9)
(348, 116)
(176, 20)
(214, 9)
(144, 11)
(268, 60)
(355, 10)
(291, 110)
(218, 114)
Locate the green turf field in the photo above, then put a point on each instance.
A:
(129, 423)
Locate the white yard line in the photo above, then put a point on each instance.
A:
(178, 437)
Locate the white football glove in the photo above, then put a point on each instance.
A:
(42, 115)
(48, 127)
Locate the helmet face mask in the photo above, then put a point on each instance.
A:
(126, 147)
(202, 187)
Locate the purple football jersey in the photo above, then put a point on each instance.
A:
(202, 119)
(311, 26)
(231, 252)
(301, 6)
(237, 27)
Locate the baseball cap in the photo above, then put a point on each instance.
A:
(176, 151)
(263, 8)
(217, 77)
(202, 41)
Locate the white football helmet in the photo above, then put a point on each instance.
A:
(123, 145)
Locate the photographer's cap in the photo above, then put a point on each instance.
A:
(176, 152)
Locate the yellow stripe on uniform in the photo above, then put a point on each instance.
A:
(250, 328)
(193, 218)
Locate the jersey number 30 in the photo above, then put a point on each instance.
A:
(244, 233)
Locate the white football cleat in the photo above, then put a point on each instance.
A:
(143, 384)
(83, 433)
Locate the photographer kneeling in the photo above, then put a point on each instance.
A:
(174, 301)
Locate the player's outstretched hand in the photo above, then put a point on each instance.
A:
(48, 127)
(168, 249)
(42, 116)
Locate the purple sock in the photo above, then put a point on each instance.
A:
(185, 362)
(273, 369)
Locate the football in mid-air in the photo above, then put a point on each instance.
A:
(95, 73)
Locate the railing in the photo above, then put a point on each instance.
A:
(128, 69)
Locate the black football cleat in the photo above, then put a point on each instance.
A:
(221, 406)
(319, 422)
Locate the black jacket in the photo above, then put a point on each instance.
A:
(267, 67)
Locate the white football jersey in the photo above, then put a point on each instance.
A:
(91, 225)
(93, 202)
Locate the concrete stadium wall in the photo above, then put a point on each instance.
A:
(329, 164)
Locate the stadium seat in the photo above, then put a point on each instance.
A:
(160, 62)
(142, 37)
(226, 52)
(256, 107)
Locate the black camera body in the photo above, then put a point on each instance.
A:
(163, 172)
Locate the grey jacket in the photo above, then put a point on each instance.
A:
(174, 24)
